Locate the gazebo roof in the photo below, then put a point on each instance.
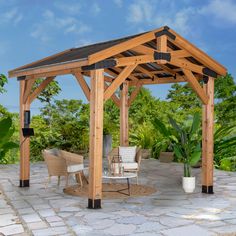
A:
(154, 60)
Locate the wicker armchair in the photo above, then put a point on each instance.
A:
(62, 163)
(128, 167)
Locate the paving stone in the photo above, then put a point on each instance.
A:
(120, 229)
(82, 229)
(136, 220)
(29, 218)
(12, 229)
(53, 218)
(46, 212)
(37, 225)
(7, 219)
(173, 221)
(192, 230)
(50, 231)
(102, 224)
(150, 227)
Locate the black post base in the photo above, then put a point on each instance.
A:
(207, 189)
(94, 203)
(24, 183)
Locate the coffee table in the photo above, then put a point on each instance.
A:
(126, 176)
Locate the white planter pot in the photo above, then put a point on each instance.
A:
(188, 184)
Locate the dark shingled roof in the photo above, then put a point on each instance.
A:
(76, 54)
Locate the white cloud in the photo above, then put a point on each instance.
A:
(11, 16)
(119, 3)
(51, 24)
(222, 10)
(73, 8)
(95, 9)
(159, 13)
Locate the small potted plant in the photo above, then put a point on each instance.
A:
(188, 149)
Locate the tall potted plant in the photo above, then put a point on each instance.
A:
(6, 132)
(188, 149)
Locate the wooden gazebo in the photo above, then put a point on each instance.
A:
(155, 57)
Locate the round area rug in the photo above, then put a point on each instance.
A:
(113, 190)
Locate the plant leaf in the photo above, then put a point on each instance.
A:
(195, 157)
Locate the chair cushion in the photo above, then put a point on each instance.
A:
(129, 165)
(127, 154)
(75, 168)
(54, 151)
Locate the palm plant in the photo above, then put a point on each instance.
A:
(188, 147)
(6, 132)
(167, 140)
(224, 146)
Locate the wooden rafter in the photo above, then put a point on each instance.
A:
(118, 81)
(83, 84)
(196, 86)
(40, 88)
(121, 47)
(38, 71)
(197, 53)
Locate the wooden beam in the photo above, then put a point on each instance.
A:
(118, 81)
(184, 64)
(48, 69)
(196, 86)
(147, 50)
(28, 88)
(162, 46)
(124, 115)
(135, 93)
(79, 77)
(208, 138)
(41, 87)
(114, 98)
(198, 54)
(24, 142)
(126, 61)
(121, 47)
(96, 139)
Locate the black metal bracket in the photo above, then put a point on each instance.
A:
(205, 79)
(209, 72)
(94, 204)
(21, 78)
(24, 183)
(207, 189)
(27, 132)
(100, 65)
(166, 32)
(162, 56)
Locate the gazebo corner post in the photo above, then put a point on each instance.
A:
(208, 138)
(24, 141)
(124, 114)
(96, 139)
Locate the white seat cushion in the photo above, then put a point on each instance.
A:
(75, 168)
(129, 165)
(127, 154)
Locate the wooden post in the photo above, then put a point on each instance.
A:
(124, 115)
(96, 139)
(208, 138)
(24, 142)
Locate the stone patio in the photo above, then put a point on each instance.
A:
(169, 211)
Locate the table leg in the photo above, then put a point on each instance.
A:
(128, 186)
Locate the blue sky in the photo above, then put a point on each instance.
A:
(33, 29)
